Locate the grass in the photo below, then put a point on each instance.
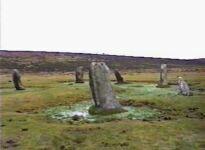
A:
(25, 126)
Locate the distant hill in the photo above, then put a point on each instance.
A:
(35, 61)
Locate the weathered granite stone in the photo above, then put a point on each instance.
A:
(163, 76)
(16, 77)
(183, 87)
(79, 75)
(118, 76)
(102, 93)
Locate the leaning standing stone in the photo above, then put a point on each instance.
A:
(163, 76)
(79, 75)
(102, 93)
(118, 76)
(16, 77)
(183, 87)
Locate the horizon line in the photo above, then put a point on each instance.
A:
(122, 55)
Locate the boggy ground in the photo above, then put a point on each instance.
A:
(25, 126)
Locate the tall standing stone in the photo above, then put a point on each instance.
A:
(102, 93)
(118, 76)
(16, 77)
(183, 87)
(79, 75)
(163, 76)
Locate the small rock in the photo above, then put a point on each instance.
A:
(118, 76)
(163, 76)
(79, 75)
(183, 87)
(16, 77)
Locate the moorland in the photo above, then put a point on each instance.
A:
(49, 80)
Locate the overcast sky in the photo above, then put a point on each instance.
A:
(156, 28)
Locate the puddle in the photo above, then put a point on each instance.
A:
(79, 112)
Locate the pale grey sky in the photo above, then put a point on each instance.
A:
(156, 28)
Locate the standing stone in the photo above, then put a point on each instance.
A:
(118, 76)
(163, 76)
(102, 93)
(183, 87)
(16, 77)
(79, 75)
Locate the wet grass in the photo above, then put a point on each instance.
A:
(80, 112)
(181, 123)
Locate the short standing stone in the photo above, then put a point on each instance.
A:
(163, 76)
(118, 76)
(16, 77)
(183, 87)
(103, 96)
(79, 75)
